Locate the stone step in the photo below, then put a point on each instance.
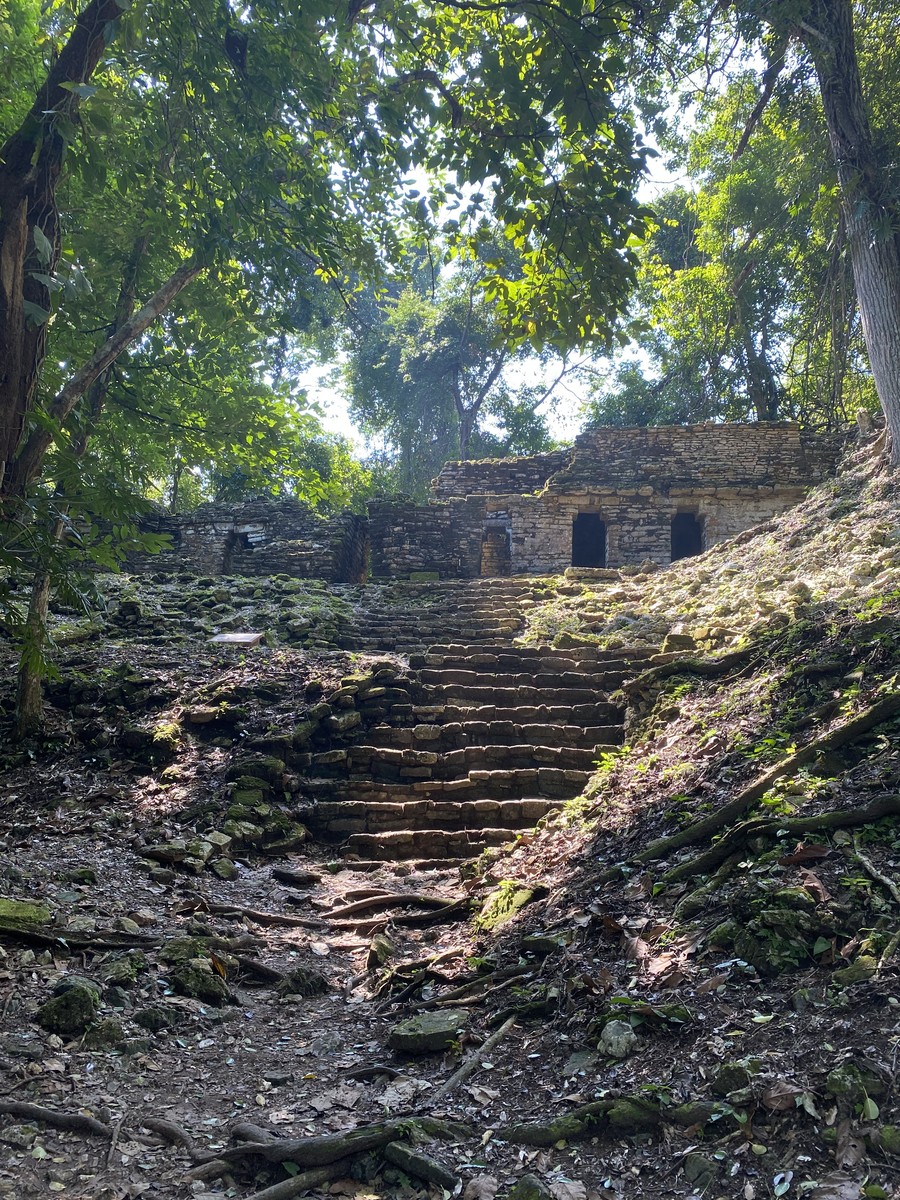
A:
(511, 662)
(597, 681)
(424, 843)
(336, 820)
(590, 654)
(475, 784)
(383, 762)
(511, 696)
(497, 733)
(600, 712)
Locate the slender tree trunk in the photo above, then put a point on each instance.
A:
(869, 212)
(29, 694)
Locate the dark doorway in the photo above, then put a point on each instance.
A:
(588, 541)
(496, 554)
(687, 536)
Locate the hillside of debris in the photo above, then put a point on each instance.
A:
(684, 981)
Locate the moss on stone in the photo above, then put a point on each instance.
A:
(20, 914)
(508, 898)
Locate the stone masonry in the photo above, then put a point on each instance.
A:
(617, 497)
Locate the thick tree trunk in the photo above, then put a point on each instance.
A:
(869, 212)
(30, 165)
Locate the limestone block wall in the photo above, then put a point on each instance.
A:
(406, 537)
(516, 515)
(767, 454)
(262, 537)
(498, 476)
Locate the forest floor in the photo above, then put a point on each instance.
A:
(697, 988)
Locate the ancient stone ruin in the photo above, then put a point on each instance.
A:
(616, 497)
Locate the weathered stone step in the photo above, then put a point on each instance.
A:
(475, 784)
(425, 843)
(510, 696)
(498, 733)
(601, 681)
(336, 820)
(511, 662)
(598, 713)
(383, 762)
(589, 654)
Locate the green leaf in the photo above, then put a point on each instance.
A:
(34, 313)
(43, 245)
(870, 1109)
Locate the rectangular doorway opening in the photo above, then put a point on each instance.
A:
(588, 540)
(687, 536)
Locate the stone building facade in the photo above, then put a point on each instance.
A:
(615, 497)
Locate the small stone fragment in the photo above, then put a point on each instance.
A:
(617, 1040)
(302, 981)
(105, 1035)
(196, 978)
(865, 967)
(71, 1010)
(428, 1032)
(529, 1187)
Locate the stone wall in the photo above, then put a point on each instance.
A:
(515, 516)
(498, 476)
(262, 537)
(406, 538)
(773, 454)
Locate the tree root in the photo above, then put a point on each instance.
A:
(470, 1064)
(841, 735)
(330, 1148)
(391, 900)
(866, 863)
(252, 966)
(695, 902)
(454, 910)
(58, 937)
(707, 668)
(70, 1122)
(171, 1133)
(304, 1182)
(265, 918)
(502, 977)
(739, 835)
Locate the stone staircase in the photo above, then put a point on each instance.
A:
(490, 737)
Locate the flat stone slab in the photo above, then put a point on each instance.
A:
(428, 1032)
(238, 639)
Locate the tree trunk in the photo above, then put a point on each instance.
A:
(29, 696)
(29, 699)
(28, 462)
(869, 213)
(30, 165)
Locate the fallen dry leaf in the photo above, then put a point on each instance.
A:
(802, 854)
(836, 1186)
(811, 883)
(710, 985)
(849, 1150)
(781, 1095)
(481, 1187)
(637, 949)
(567, 1189)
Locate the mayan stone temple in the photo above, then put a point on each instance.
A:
(616, 497)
